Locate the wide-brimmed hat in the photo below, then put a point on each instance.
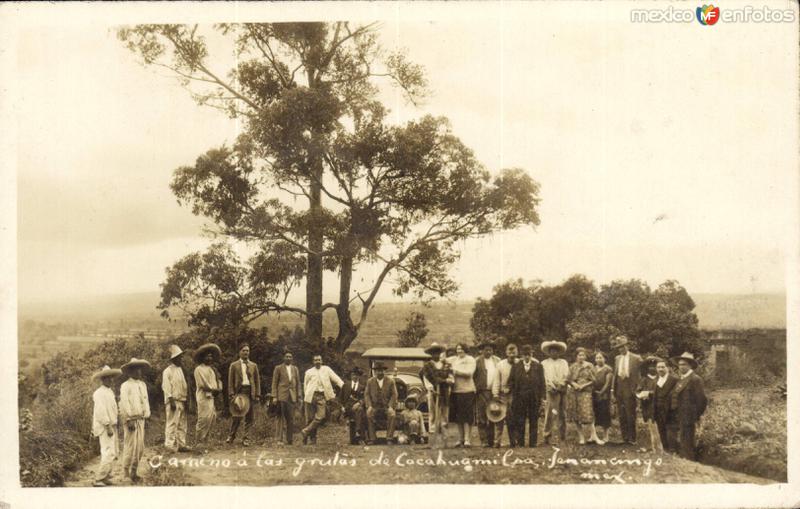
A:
(358, 371)
(240, 405)
(379, 365)
(135, 363)
(412, 397)
(619, 341)
(547, 345)
(434, 348)
(688, 357)
(496, 410)
(201, 351)
(105, 372)
(175, 351)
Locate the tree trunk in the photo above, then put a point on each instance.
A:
(347, 330)
(315, 245)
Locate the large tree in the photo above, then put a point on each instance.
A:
(319, 179)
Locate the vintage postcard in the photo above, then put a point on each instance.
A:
(478, 254)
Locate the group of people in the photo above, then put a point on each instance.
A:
(493, 394)
(507, 394)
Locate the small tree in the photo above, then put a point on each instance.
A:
(414, 332)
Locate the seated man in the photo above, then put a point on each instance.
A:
(412, 428)
(352, 400)
(380, 398)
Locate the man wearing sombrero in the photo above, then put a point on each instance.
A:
(556, 372)
(689, 401)
(104, 423)
(208, 384)
(134, 409)
(173, 384)
(623, 387)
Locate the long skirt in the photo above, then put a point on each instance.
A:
(579, 407)
(602, 412)
(462, 407)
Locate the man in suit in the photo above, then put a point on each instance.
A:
(244, 379)
(318, 384)
(528, 388)
(380, 398)
(286, 393)
(665, 418)
(352, 399)
(689, 402)
(623, 386)
(486, 373)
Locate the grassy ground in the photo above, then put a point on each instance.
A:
(332, 462)
(745, 430)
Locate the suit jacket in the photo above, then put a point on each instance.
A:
(283, 388)
(632, 382)
(479, 377)
(235, 378)
(663, 399)
(689, 399)
(647, 405)
(376, 397)
(348, 397)
(528, 384)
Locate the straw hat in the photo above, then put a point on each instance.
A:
(434, 349)
(201, 351)
(175, 351)
(688, 357)
(135, 363)
(106, 371)
(496, 410)
(240, 405)
(547, 345)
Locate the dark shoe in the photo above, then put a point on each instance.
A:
(184, 449)
(459, 445)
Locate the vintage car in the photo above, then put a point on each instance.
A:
(404, 365)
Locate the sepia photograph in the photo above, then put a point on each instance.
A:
(477, 244)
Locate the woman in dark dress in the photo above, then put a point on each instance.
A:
(602, 389)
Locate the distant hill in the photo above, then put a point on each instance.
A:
(448, 321)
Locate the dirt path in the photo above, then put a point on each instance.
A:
(330, 462)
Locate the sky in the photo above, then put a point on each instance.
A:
(663, 151)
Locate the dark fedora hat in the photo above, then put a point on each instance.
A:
(379, 365)
(356, 370)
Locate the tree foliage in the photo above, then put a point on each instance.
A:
(414, 332)
(660, 321)
(399, 197)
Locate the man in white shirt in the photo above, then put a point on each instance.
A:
(317, 391)
(623, 387)
(208, 384)
(104, 423)
(134, 409)
(244, 378)
(485, 376)
(556, 371)
(176, 393)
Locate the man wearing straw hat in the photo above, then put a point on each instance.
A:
(208, 384)
(173, 384)
(556, 372)
(623, 386)
(134, 409)
(104, 423)
(689, 401)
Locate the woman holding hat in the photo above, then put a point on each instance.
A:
(134, 409)
(208, 383)
(104, 423)
(579, 398)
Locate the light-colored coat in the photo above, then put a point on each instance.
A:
(326, 376)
